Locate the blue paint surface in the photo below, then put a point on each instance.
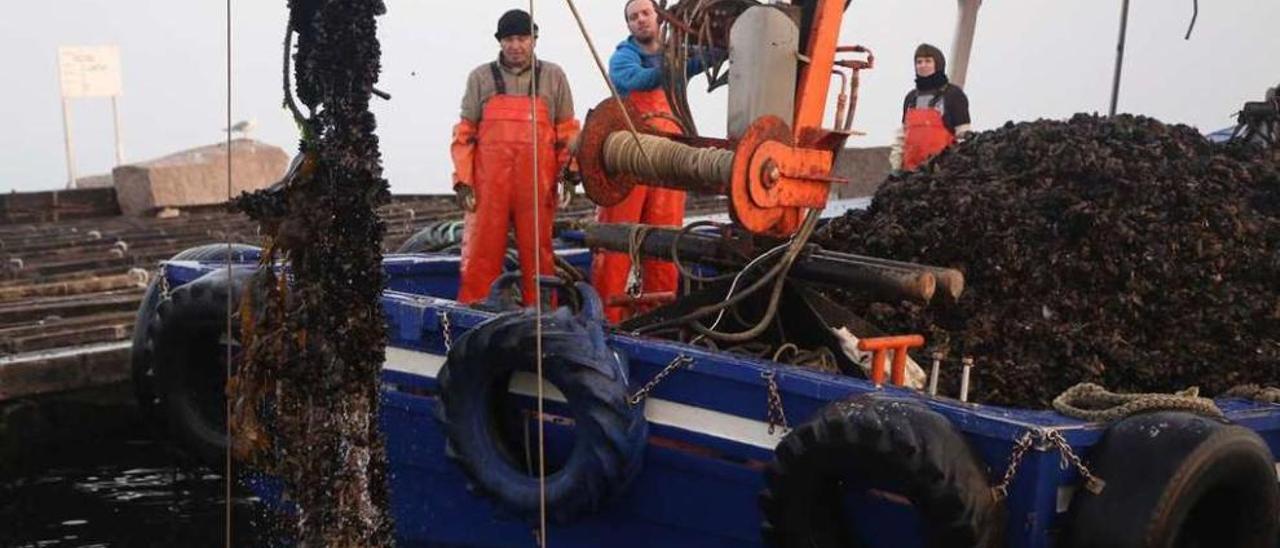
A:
(695, 489)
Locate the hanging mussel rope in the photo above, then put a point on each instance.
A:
(692, 30)
(305, 399)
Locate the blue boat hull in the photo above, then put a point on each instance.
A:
(709, 438)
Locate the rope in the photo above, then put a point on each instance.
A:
(1255, 392)
(654, 158)
(613, 90)
(227, 479)
(537, 295)
(1094, 403)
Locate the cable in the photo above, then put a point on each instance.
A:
(805, 231)
(537, 292)
(1195, 13)
(685, 273)
(227, 478)
(613, 90)
(793, 249)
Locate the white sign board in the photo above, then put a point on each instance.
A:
(89, 71)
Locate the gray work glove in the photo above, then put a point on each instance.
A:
(466, 197)
(568, 181)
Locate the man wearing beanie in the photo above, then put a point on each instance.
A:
(493, 157)
(934, 114)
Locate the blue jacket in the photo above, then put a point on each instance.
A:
(631, 69)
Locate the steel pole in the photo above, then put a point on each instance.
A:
(1115, 82)
(966, 22)
(66, 137)
(115, 114)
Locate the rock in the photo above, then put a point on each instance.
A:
(197, 176)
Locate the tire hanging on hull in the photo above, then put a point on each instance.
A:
(866, 438)
(610, 434)
(1178, 479)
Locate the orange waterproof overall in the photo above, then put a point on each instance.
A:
(648, 205)
(926, 134)
(503, 185)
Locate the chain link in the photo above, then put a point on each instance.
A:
(444, 330)
(164, 281)
(1092, 483)
(777, 415)
(1001, 490)
(643, 392)
(635, 275)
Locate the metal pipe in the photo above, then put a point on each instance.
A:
(966, 21)
(1115, 81)
(950, 280)
(822, 266)
(933, 373)
(842, 99)
(964, 379)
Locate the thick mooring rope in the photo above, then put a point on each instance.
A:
(1255, 392)
(1094, 403)
(704, 168)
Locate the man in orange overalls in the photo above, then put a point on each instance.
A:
(934, 114)
(636, 69)
(493, 157)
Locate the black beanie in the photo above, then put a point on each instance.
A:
(514, 23)
(926, 50)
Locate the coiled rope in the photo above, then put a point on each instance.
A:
(707, 168)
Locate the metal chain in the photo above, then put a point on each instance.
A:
(164, 281)
(1092, 483)
(444, 330)
(1001, 490)
(635, 275)
(643, 392)
(777, 415)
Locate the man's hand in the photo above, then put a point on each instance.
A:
(466, 197)
(569, 179)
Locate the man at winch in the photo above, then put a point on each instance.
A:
(637, 72)
(493, 153)
(934, 114)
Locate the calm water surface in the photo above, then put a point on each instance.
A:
(122, 491)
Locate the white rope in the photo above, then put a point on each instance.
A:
(537, 286)
(227, 479)
(626, 115)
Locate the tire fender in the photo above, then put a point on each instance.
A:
(900, 440)
(612, 435)
(1178, 479)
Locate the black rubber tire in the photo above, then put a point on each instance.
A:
(1174, 479)
(185, 336)
(141, 356)
(897, 441)
(611, 434)
(432, 238)
(240, 253)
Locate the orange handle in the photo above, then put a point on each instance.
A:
(878, 346)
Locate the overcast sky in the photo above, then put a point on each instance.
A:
(1032, 59)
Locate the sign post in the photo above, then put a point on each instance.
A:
(88, 71)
